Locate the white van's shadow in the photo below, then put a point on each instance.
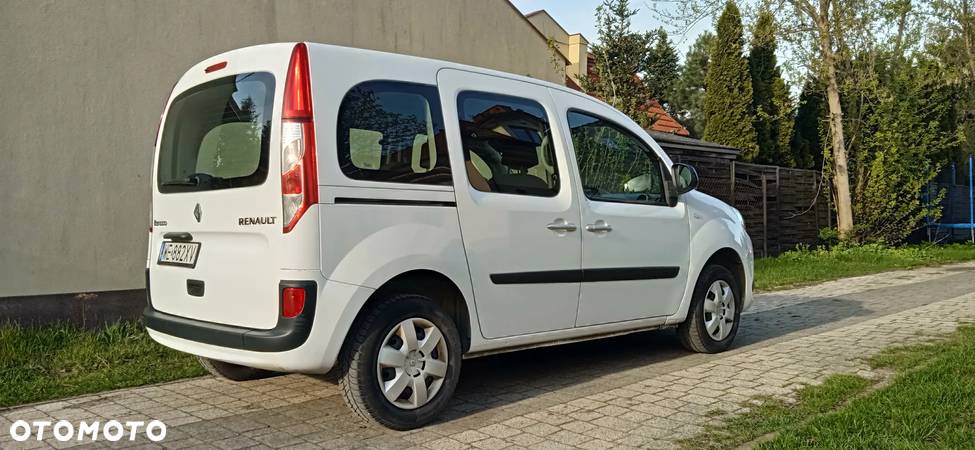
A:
(495, 381)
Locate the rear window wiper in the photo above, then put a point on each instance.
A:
(195, 180)
(183, 182)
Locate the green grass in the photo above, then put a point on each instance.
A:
(47, 363)
(806, 266)
(929, 403)
(774, 414)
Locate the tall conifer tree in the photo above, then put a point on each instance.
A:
(661, 67)
(620, 56)
(770, 96)
(809, 126)
(728, 94)
(687, 93)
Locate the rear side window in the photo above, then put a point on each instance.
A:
(393, 131)
(216, 135)
(508, 145)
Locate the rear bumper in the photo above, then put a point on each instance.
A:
(288, 334)
(335, 310)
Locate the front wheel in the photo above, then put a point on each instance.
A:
(402, 362)
(712, 321)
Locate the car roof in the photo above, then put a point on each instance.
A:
(436, 64)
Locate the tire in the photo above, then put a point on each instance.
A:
(381, 328)
(714, 283)
(233, 372)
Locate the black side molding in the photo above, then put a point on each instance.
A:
(548, 276)
(286, 335)
(586, 275)
(395, 202)
(630, 273)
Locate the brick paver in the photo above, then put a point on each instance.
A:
(639, 391)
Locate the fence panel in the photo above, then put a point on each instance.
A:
(751, 192)
(800, 206)
(782, 207)
(715, 175)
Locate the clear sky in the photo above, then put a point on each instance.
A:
(578, 16)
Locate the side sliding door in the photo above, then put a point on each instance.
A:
(518, 213)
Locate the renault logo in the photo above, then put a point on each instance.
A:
(198, 212)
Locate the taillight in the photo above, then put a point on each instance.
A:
(292, 302)
(299, 171)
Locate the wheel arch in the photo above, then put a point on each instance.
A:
(430, 283)
(730, 259)
(718, 241)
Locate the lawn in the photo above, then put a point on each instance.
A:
(929, 403)
(809, 266)
(56, 362)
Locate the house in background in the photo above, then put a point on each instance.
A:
(664, 122)
(574, 48)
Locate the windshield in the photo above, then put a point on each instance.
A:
(216, 135)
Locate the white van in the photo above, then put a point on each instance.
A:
(380, 217)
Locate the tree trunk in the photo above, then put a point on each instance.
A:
(841, 176)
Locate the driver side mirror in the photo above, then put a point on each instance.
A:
(685, 177)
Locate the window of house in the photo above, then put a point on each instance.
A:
(393, 131)
(508, 146)
(614, 165)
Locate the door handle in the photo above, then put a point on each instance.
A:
(599, 227)
(561, 226)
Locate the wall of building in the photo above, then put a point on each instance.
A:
(574, 48)
(84, 83)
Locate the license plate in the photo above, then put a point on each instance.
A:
(179, 253)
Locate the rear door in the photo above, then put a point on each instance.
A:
(635, 245)
(518, 213)
(217, 201)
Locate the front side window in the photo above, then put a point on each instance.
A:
(614, 165)
(393, 132)
(216, 135)
(508, 145)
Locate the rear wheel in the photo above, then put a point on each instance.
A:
(402, 362)
(233, 372)
(712, 321)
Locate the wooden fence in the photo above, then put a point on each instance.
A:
(782, 207)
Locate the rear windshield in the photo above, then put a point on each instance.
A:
(216, 135)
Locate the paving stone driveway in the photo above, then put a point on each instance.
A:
(639, 390)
